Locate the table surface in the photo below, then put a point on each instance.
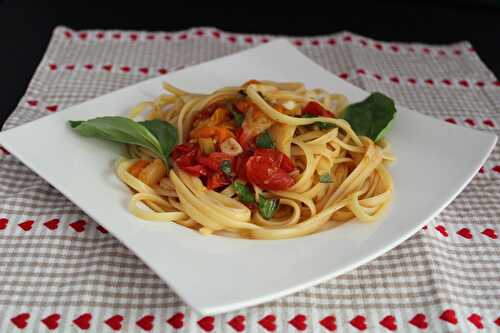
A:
(26, 27)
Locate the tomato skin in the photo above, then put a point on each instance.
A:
(317, 110)
(195, 170)
(184, 155)
(217, 180)
(277, 157)
(264, 173)
(214, 160)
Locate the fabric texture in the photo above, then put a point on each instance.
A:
(61, 271)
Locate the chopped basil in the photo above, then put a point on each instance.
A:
(371, 117)
(244, 193)
(264, 140)
(325, 178)
(226, 167)
(267, 207)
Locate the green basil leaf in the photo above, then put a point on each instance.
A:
(325, 178)
(166, 134)
(244, 193)
(119, 129)
(267, 207)
(324, 126)
(226, 167)
(264, 140)
(371, 117)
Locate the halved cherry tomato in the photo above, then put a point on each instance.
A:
(262, 171)
(184, 154)
(317, 110)
(214, 160)
(277, 158)
(217, 180)
(239, 164)
(195, 170)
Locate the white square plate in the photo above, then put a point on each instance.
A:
(216, 274)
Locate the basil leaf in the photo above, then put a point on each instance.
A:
(119, 129)
(264, 140)
(323, 126)
(166, 134)
(325, 178)
(267, 207)
(226, 167)
(238, 117)
(244, 193)
(371, 117)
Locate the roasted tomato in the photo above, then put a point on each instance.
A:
(317, 110)
(268, 169)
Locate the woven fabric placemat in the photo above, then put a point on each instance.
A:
(61, 271)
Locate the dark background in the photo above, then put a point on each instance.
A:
(26, 26)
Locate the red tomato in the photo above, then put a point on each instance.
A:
(214, 160)
(239, 164)
(278, 158)
(266, 174)
(184, 155)
(217, 180)
(317, 110)
(195, 170)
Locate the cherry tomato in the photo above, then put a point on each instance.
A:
(214, 160)
(264, 170)
(278, 158)
(195, 170)
(317, 110)
(217, 180)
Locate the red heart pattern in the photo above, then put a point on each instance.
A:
(107, 67)
(451, 120)
(32, 103)
(101, 229)
(496, 168)
(359, 322)
(52, 108)
(206, 323)
(268, 322)
(3, 223)
(89, 66)
(21, 320)
(332, 41)
(329, 322)
(144, 70)
(497, 321)
(476, 320)
(442, 230)
(26, 225)
(299, 322)
(216, 34)
(420, 321)
(52, 321)
(115, 322)
(344, 76)
(199, 33)
(177, 320)
(489, 122)
(53, 67)
(394, 79)
(450, 316)
(78, 226)
(465, 233)
(146, 322)
(133, 37)
(347, 39)
(470, 121)
(117, 35)
(429, 82)
(83, 321)
(237, 323)
(52, 224)
(125, 69)
(490, 233)
(412, 80)
(100, 35)
(248, 40)
(389, 322)
(162, 71)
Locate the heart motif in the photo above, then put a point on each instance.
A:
(476, 320)
(107, 67)
(378, 46)
(395, 48)
(144, 70)
(231, 39)
(441, 52)
(315, 42)
(133, 37)
(68, 34)
(52, 321)
(361, 71)
(344, 76)
(442, 230)
(83, 321)
(52, 108)
(238, 323)
(248, 40)
(480, 84)
(101, 229)
(21, 320)
(347, 39)
(496, 168)
(389, 322)
(465, 233)
(264, 40)
(70, 67)
(457, 52)
(150, 37)
(177, 320)
(451, 121)
(26, 225)
(200, 33)
(117, 35)
(449, 316)
(3, 223)
(429, 82)
(412, 80)
(183, 37)
(394, 79)
(162, 71)
(470, 121)
(100, 35)
(447, 82)
(488, 122)
(359, 322)
(463, 83)
(78, 226)
(89, 66)
(363, 42)
(206, 323)
(299, 322)
(268, 322)
(146, 322)
(53, 67)
(497, 321)
(52, 224)
(83, 35)
(377, 76)
(426, 50)
(216, 34)
(487, 232)
(115, 322)
(32, 103)
(167, 37)
(419, 321)
(332, 41)
(125, 69)
(329, 322)
(298, 42)
(481, 170)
